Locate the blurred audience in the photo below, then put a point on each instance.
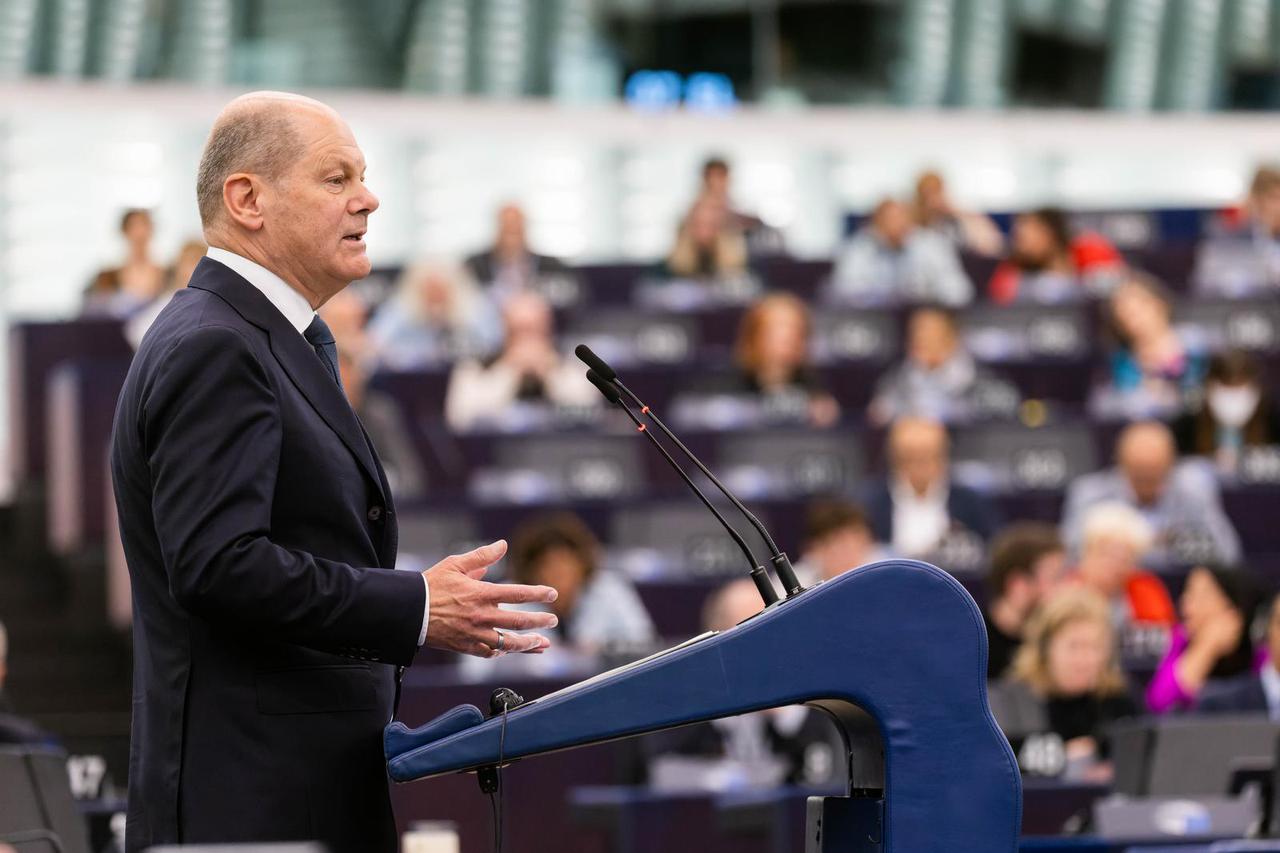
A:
(1211, 644)
(791, 745)
(1028, 563)
(1113, 539)
(1235, 412)
(917, 509)
(15, 730)
(437, 316)
(527, 369)
(708, 246)
(178, 276)
(121, 291)
(939, 378)
(772, 353)
(1256, 692)
(1244, 260)
(598, 609)
(346, 315)
(509, 266)
(838, 538)
(934, 211)
(1181, 502)
(1048, 263)
(892, 261)
(1065, 684)
(1153, 367)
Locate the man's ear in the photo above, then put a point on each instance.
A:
(242, 198)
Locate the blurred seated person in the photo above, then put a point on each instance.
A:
(1235, 413)
(1047, 263)
(527, 369)
(509, 265)
(772, 353)
(917, 509)
(1064, 689)
(716, 187)
(939, 378)
(121, 291)
(708, 246)
(1244, 259)
(1152, 368)
(178, 276)
(790, 745)
(1181, 503)
(437, 316)
(1115, 536)
(1258, 691)
(837, 539)
(1028, 563)
(891, 261)
(598, 609)
(934, 211)
(1212, 644)
(346, 315)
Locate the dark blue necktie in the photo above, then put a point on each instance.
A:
(321, 340)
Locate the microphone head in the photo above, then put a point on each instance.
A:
(606, 388)
(595, 362)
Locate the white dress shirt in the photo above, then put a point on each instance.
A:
(1271, 688)
(298, 311)
(919, 522)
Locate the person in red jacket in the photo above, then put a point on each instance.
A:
(1115, 536)
(1048, 263)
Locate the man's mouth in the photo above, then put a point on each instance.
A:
(357, 237)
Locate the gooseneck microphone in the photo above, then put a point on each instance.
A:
(781, 563)
(758, 574)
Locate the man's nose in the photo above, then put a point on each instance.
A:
(365, 201)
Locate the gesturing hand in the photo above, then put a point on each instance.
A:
(464, 615)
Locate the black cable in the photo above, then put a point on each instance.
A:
(495, 798)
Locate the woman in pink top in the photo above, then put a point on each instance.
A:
(1212, 642)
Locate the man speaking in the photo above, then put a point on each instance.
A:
(269, 624)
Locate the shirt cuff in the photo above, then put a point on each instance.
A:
(426, 611)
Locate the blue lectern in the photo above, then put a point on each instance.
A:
(900, 640)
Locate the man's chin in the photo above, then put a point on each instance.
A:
(356, 268)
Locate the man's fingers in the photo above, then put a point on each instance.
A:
(516, 593)
(519, 643)
(522, 620)
(482, 557)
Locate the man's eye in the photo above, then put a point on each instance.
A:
(337, 181)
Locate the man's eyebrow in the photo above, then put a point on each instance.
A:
(339, 161)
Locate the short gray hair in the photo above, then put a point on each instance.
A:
(261, 140)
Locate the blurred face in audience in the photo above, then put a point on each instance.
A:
(840, 550)
(511, 231)
(1077, 656)
(782, 336)
(733, 603)
(436, 292)
(1106, 563)
(527, 316)
(564, 569)
(931, 339)
(931, 195)
(1202, 601)
(1034, 244)
(892, 221)
(1140, 314)
(1266, 208)
(918, 449)
(138, 230)
(715, 181)
(1146, 455)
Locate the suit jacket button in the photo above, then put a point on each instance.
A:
(375, 513)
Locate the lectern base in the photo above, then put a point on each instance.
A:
(844, 825)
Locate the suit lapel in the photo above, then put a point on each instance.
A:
(295, 355)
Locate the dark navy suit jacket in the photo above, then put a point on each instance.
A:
(966, 507)
(1239, 696)
(268, 622)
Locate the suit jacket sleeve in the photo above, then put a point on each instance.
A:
(212, 431)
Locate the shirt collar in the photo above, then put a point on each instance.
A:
(902, 492)
(289, 302)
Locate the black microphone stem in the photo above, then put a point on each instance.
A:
(781, 564)
(758, 574)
